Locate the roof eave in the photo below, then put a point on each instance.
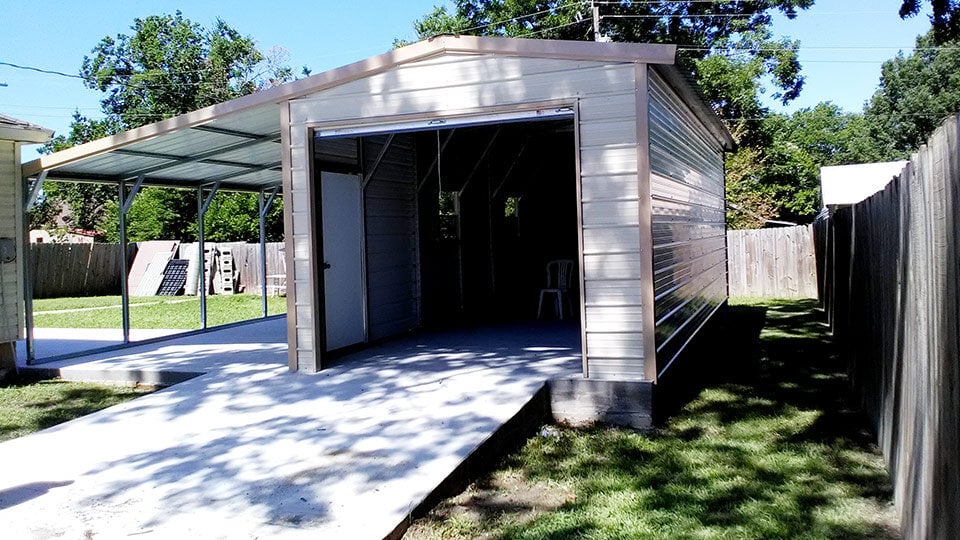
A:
(695, 98)
(30, 135)
(535, 48)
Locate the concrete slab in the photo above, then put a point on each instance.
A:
(250, 450)
(50, 342)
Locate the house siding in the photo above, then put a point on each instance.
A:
(10, 289)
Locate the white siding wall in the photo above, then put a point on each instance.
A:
(689, 230)
(10, 290)
(464, 84)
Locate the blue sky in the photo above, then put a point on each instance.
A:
(843, 43)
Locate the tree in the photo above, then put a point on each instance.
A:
(916, 93)
(945, 18)
(727, 47)
(82, 206)
(169, 65)
(783, 181)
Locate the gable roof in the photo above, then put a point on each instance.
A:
(12, 129)
(236, 143)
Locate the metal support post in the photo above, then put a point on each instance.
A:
(266, 202)
(124, 284)
(202, 206)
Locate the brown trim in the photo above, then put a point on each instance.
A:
(646, 223)
(382, 123)
(583, 288)
(287, 179)
(532, 48)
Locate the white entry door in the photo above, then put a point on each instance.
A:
(343, 268)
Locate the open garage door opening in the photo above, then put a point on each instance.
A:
(454, 226)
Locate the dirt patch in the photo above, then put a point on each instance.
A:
(503, 498)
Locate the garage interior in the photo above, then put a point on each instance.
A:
(470, 215)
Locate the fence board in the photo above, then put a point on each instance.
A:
(890, 287)
(772, 263)
(59, 270)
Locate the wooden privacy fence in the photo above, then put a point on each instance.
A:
(772, 263)
(59, 270)
(246, 261)
(890, 285)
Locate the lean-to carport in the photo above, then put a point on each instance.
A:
(207, 151)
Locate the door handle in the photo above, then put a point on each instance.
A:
(326, 265)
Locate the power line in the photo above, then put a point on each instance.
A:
(521, 17)
(40, 70)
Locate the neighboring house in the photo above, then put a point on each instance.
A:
(68, 236)
(13, 134)
(434, 182)
(843, 185)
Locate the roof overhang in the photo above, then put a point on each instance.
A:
(237, 143)
(15, 130)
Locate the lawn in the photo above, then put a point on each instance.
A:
(31, 406)
(177, 312)
(762, 442)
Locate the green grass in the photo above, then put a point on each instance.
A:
(177, 312)
(31, 406)
(762, 443)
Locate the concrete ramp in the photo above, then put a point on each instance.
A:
(250, 450)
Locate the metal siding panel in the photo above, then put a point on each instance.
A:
(613, 330)
(609, 187)
(390, 210)
(617, 369)
(610, 213)
(688, 226)
(611, 292)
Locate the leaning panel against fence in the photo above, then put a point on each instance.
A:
(891, 290)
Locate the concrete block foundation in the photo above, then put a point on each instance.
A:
(579, 402)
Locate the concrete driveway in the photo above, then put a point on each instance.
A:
(250, 450)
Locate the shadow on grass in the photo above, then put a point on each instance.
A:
(761, 442)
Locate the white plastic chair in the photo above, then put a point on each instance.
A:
(559, 275)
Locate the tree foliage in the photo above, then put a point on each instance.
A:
(783, 181)
(945, 17)
(167, 66)
(171, 65)
(728, 47)
(917, 92)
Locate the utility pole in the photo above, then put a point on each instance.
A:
(595, 9)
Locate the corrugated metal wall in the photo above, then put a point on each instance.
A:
(10, 290)
(689, 241)
(459, 84)
(390, 202)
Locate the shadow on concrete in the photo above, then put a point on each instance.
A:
(358, 445)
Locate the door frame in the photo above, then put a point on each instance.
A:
(420, 121)
(364, 307)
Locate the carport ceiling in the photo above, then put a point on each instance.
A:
(240, 151)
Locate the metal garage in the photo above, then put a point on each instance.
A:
(433, 183)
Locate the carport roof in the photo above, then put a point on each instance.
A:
(238, 143)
